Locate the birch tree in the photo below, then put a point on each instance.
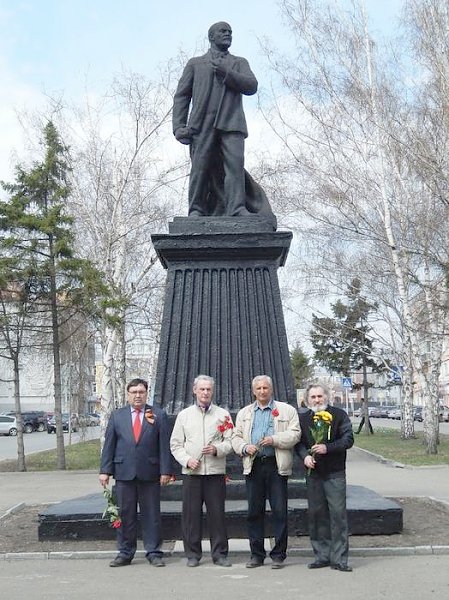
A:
(16, 311)
(353, 186)
(125, 180)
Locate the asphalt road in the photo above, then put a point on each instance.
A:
(395, 578)
(396, 424)
(39, 441)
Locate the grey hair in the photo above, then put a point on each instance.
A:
(203, 378)
(261, 378)
(323, 386)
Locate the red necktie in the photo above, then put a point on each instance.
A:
(137, 426)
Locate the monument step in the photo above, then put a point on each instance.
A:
(235, 489)
(81, 518)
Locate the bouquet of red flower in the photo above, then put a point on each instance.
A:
(112, 511)
(150, 417)
(222, 427)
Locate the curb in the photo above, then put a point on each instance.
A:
(299, 552)
(13, 510)
(382, 459)
(395, 464)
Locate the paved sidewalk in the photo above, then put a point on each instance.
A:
(395, 480)
(363, 469)
(422, 577)
(385, 478)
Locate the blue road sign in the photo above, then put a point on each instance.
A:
(346, 382)
(396, 375)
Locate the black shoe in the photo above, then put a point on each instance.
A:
(156, 561)
(223, 561)
(340, 567)
(277, 563)
(254, 563)
(318, 564)
(120, 561)
(192, 562)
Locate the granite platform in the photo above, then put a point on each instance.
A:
(81, 518)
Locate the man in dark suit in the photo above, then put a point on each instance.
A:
(216, 130)
(136, 453)
(325, 463)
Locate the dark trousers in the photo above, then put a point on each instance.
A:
(262, 484)
(146, 495)
(328, 523)
(217, 151)
(362, 423)
(211, 491)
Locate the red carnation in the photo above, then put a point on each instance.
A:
(275, 412)
(116, 524)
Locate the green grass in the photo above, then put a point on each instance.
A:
(387, 443)
(79, 457)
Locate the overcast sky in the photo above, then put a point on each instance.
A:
(58, 47)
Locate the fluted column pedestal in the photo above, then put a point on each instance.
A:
(222, 314)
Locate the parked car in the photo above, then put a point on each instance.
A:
(8, 425)
(94, 419)
(384, 410)
(418, 414)
(375, 411)
(444, 414)
(394, 413)
(90, 420)
(358, 412)
(33, 420)
(51, 425)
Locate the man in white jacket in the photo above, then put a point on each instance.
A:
(265, 433)
(200, 441)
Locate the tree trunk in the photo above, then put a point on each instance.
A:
(60, 450)
(107, 386)
(120, 379)
(21, 466)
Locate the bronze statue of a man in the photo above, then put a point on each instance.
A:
(211, 86)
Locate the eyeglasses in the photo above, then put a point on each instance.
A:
(136, 392)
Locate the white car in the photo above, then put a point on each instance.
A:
(8, 425)
(395, 413)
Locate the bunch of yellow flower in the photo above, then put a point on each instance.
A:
(322, 421)
(321, 430)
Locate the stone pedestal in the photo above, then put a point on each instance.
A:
(222, 314)
(81, 518)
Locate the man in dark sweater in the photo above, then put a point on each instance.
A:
(325, 463)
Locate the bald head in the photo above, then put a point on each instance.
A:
(220, 35)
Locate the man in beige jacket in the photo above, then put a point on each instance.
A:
(265, 433)
(200, 441)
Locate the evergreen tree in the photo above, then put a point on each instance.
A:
(38, 240)
(342, 343)
(302, 368)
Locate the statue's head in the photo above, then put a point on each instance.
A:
(220, 35)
